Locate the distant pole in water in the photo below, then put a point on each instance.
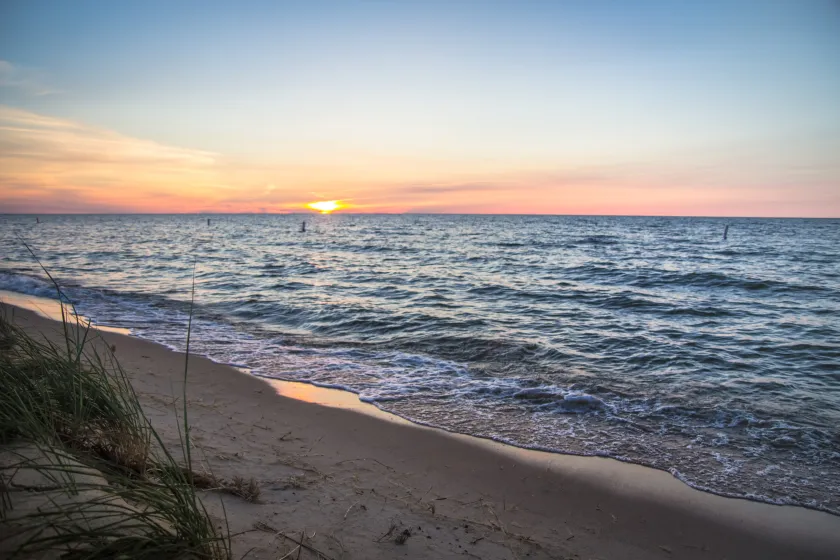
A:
(303, 226)
(208, 221)
(725, 232)
(37, 220)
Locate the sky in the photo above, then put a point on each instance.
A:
(713, 108)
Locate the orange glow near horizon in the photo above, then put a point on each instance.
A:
(56, 165)
(325, 206)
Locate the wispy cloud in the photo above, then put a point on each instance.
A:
(27, 80)
(511, 182)
(455, 188)
(31, 136)
(48, 161)
(50, 164)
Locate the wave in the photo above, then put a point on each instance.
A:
(712, 279)
(643, 339)
(577, 403)
(292, 269)
(599, 240)
(29, 285)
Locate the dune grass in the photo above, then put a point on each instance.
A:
(74, 436)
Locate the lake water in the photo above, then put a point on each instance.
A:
(651, 340)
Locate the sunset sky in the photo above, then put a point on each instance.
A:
(459, 106)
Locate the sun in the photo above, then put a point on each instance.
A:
(325, 206)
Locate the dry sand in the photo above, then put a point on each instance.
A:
(351, 478)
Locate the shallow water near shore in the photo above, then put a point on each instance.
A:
(651, 340)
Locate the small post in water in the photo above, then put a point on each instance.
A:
(303, 226)
(725, 232)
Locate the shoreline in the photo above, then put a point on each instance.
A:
(607, 506)
(343, 397)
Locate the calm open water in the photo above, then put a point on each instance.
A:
(651, 340)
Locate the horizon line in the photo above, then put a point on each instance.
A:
(308, 213)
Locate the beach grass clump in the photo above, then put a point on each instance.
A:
(247, 489)
(82, 472)
(77, 399)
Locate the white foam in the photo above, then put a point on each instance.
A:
(453, 397)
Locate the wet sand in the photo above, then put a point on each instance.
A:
(344, 473)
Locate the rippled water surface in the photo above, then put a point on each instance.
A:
(651, 340)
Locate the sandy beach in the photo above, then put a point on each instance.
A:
(418, 279)
(352, 479)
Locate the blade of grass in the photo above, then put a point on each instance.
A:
(78, 409)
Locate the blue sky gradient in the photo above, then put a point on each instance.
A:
(550, 98)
